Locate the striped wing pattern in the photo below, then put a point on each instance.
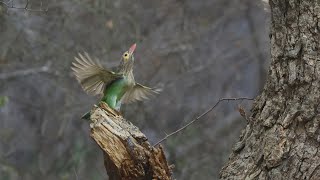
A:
(138, 93)
(92, 76)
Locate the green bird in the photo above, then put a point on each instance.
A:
(117, 87)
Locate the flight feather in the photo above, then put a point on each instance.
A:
(92, 76)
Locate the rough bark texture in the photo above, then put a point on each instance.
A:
(281, 140)
(127, 153)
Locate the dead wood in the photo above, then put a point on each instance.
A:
(127, 152)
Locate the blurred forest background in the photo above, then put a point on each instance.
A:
(199, 51)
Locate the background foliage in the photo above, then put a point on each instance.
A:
(198, 51)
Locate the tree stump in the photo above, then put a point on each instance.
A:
(127, 152)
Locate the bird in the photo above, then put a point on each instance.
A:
(116, 87)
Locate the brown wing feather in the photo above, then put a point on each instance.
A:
(138, 93)
(92, 76)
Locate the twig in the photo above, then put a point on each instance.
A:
(203, 114)
(76, 174)
(45, 68)
(7, 5)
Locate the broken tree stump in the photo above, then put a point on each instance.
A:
(127, 152)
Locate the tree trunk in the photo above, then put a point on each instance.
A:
(127, 153)
(282, 138)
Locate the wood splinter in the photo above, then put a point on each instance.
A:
(127, 152)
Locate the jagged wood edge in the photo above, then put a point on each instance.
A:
(127, 152)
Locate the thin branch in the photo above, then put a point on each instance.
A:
(43, 69)
(26, 6)
(203, 114)
(76, 174)
(7, 5)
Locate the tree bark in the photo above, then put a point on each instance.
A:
(127, 153)
(282, 137)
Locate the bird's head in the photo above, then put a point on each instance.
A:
(127, 59)
(128, 55)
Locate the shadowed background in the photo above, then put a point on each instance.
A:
(198, 51)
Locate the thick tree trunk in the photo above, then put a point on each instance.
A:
(282, 138)
(127, 153)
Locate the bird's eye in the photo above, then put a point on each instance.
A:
(125, 56)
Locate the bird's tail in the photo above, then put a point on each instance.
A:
(86, 116)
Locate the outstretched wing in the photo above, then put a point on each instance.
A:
(92, 76)
(138, 93)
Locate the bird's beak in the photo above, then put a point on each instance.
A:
(132, 48)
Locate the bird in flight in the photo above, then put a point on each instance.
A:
(116, 87)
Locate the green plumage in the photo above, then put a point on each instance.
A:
(114, 92)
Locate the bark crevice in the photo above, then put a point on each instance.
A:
(127, 152)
